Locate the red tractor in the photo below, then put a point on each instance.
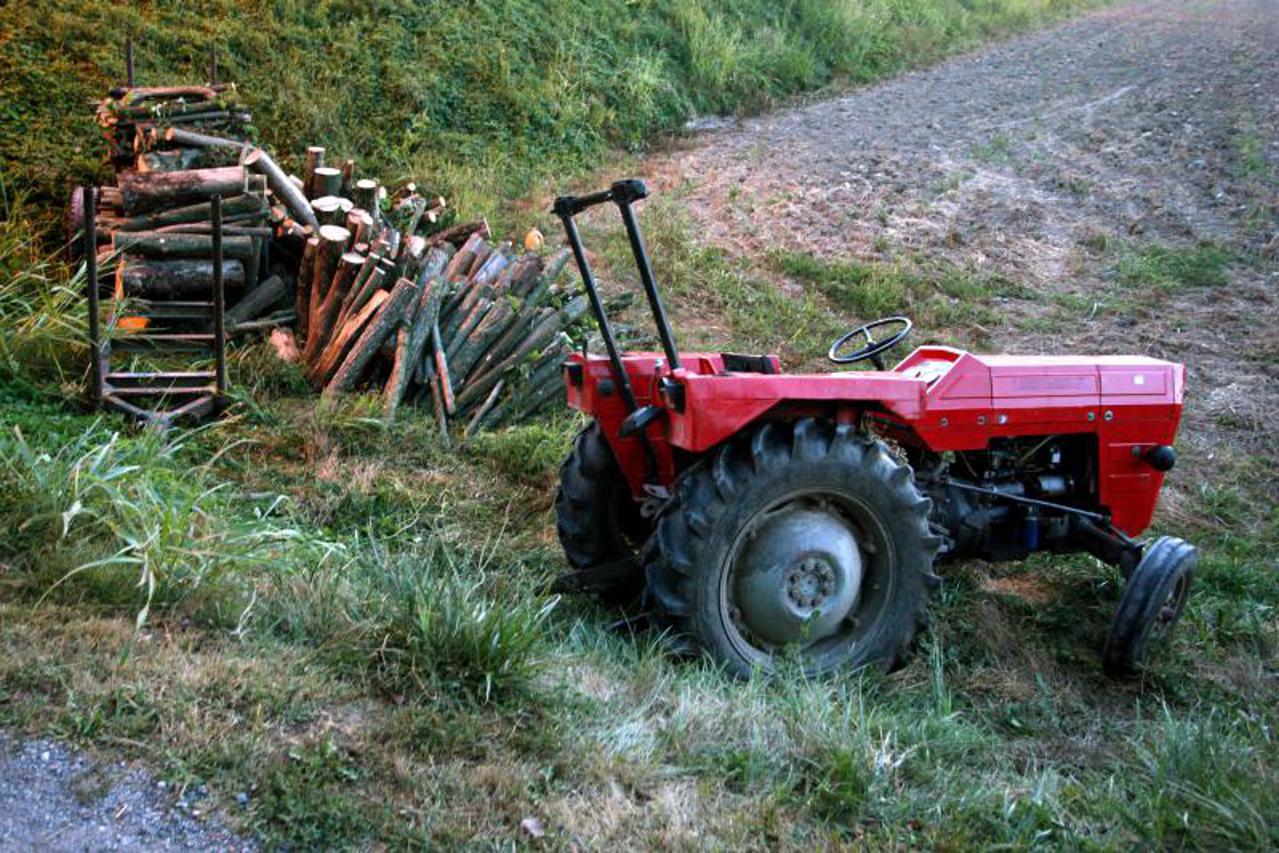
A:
(769, 515)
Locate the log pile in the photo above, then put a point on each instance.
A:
(473, 328)
(382, 289)
(173, 149)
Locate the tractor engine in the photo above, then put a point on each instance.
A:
(1018, 496)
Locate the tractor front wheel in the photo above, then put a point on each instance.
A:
(599, 523)
(1153, 600)
(807, 542)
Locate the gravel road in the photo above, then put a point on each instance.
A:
(53, 798)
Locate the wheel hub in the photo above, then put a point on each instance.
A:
(797, 576)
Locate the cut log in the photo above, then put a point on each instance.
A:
(443, 379)
(336, 350)
(202, 212)
(546, 328)
(331, 209)
(314, 160)
(462, 259)
(365, 196)
(262, 232)
(333, 242)
(397, 382)
(493, 266)
(360, 223)
(325, 319)
(302, 290)
(326, 181)
(454, 340)
(275, 318)
(285, 345)
(143, 192)
(173, 280)
(409, 352)
(489, 403)
(361, 287)
(261, 162)
(139, 94)
(157, 244)
(441, 416)
(387, 321)
(348, 177)
(484, 335)
(183, 159)
(257, 300)
(183, 136)
(459, 234)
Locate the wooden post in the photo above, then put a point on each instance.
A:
(91, 276)
(219, 298)
(213, 66)
(128, 61)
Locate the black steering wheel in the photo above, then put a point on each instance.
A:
(872, 348)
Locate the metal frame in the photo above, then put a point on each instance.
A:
(89, 199)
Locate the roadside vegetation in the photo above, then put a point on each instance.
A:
(347, 623)
(485, 101)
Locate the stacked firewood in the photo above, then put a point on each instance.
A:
(382, 288)
(174, 148)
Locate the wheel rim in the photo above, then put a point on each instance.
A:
(808, 574)
(1169, 609)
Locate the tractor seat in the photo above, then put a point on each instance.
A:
(738, 363)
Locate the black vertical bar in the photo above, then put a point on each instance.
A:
(219, 297)
(128, 60)
(597, 306)
(213, 66)
(606, 331)
(89, 202)
(650, 283)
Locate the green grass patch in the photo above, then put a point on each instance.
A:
(943, 299)
(1171, 269)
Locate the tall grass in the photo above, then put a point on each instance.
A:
(42, 320)
(135, 521)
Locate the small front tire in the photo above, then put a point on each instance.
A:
(1152, 603)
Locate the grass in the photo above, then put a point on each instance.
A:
(797, 303)
(1172, 269)
(347, 623)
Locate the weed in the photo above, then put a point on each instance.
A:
(531, 453)
(939, 297)
(1169, 269)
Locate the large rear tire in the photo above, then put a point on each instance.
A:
(599, 523)
(806, 541)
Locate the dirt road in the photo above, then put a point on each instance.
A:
(1047, 159)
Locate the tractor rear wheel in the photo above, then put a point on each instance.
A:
(807, 541)
(599, 523)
